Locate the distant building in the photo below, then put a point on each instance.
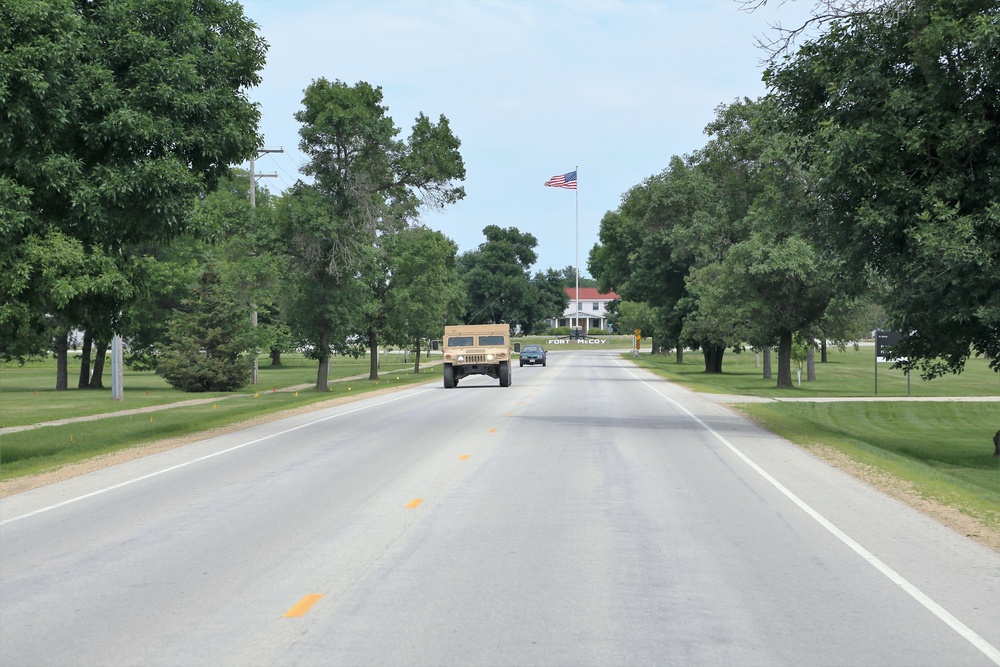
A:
(588, 311)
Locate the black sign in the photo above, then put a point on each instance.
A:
(884, 340)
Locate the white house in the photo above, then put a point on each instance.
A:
(587, 310)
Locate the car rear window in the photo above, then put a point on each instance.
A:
(491, 340)
(459, 341)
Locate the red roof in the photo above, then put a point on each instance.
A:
(590, 294)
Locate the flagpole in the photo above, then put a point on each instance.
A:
(577, 168)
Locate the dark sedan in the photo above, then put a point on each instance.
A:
(532, 354)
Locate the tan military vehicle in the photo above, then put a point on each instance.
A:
(476, 349)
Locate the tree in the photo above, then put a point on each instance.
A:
(211, 340)
(550, 300)
(320, 296)
(497, 280)
(774, 282)
(667, 227)
(630, 315)
(51, 274)
(424, 286)
(569, 278)
(367, 183)
(901, 108)
(117, 115)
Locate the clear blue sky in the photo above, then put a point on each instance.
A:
(532, 89)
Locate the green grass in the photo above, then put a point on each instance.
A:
(29, 394)
(848, 373)
(35, 450)
(942, 449)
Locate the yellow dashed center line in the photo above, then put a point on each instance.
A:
(304, 605)
(493, 430)
(414, 503)
(463, 457)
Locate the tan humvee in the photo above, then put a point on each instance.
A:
(476, 349)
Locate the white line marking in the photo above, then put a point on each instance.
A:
(204, 458)
(943, 614)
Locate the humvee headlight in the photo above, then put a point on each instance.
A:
(460, 359)
(489, 357)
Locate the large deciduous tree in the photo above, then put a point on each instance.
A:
(424, 287)
(368, 182)
(902, 107)
(497, 279)
(116, 115)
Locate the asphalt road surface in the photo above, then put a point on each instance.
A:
(591, 514)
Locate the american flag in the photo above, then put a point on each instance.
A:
(567, 181)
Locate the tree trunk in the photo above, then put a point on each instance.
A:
(713, 358)
(88, 344)
(275, 356)
(62, 364)
(322, 373)
(373, 350)
(785, 359)
(100, 354)
(654, 346)
(416, 358)
(996, 444)
(767, 363)
(811, 364)
(680, 353)
(822, 351)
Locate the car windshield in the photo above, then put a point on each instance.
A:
(459, 341)
(490, 340)
(532, 348)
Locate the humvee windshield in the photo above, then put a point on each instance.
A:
(460, 341)
(490, 340)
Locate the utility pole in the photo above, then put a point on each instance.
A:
(253, 204)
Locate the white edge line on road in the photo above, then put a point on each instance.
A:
(943, 614)
(204, 458)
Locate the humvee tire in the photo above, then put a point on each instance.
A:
(449, 376)
(504, 373)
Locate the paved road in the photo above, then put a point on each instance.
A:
(591, 514)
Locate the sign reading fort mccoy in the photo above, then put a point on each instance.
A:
(577, 341)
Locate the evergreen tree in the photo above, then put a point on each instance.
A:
(210, 340)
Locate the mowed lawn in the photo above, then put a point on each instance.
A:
(27, 397)
(943, 450)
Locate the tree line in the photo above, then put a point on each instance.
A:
(862, 187)
(120, 211)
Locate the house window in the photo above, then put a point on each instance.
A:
(597, 305)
